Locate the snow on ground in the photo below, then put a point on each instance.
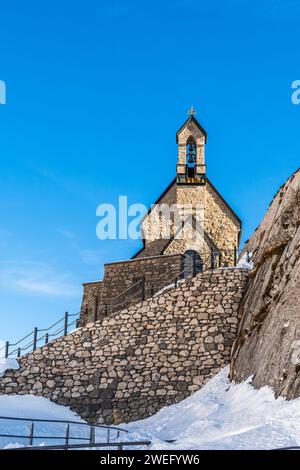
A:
(222, 415)
(29, 406)
(33, 407)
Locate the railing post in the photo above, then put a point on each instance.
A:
(108, 435)
(248, 257)
(119, 447)
(46, 338)
(19, 352)
(6, 349)
(194, 264)
(143, 288)
(105, 310)
(212, 259)
(96, 308)
(67, 436)
(235, 256)
(66, 324)
(35, 332)
(92, 435)
(176, 282)
(31, 429)
(220, 259)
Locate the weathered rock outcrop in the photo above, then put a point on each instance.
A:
(268, 340)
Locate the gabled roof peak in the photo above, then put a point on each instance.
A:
(191, 119)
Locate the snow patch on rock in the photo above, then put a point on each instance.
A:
(6, 363)
(245, 261)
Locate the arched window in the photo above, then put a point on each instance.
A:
(192, 263)
(190, 157)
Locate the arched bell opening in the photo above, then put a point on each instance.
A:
(191, 154)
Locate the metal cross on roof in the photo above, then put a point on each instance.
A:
(192, 111)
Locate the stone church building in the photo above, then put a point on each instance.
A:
(158, 326)
(191, 186)
(168, 247)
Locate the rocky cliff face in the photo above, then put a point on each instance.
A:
(268, 340)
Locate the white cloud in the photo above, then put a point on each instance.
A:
(66, 233)
(92, 257)
(37, 279)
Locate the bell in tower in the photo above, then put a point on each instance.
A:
(191, 139)
(190, 159)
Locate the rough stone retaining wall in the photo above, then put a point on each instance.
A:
(135, 362)
(122, 287)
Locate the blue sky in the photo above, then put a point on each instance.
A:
(95, 93)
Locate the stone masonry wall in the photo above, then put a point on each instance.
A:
(219, 224)
(152, 225)
(122, 284)
(150, 355)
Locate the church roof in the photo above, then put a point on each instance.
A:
(194, 120)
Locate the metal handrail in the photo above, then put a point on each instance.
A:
(168, 282)
(141, 281)
(35, 342)
(90, 439)
(46, 335)
(119, 445)
(112, 305)
(22, 339)
(54, 324)
(62, 421)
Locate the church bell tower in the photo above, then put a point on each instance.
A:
(191, 140)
